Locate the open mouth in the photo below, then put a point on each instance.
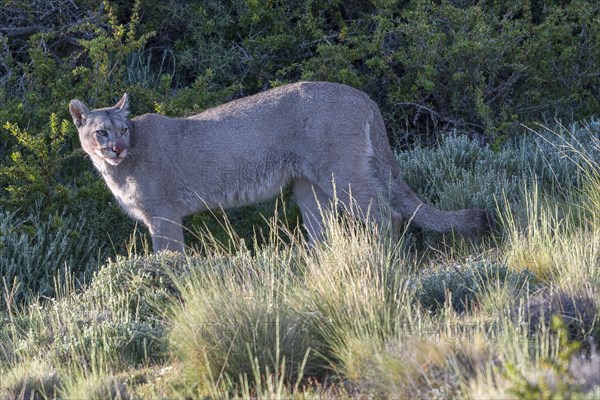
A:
(113, 158)
(114, 161)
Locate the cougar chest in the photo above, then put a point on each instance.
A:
(126, 191)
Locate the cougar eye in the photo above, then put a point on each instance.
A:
(124, 131)
(101, 132)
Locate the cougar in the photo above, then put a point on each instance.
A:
(327, 140)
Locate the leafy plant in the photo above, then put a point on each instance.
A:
(39, 167)
(558, 382)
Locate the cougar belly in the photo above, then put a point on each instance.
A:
(235, 190)
(263, 186)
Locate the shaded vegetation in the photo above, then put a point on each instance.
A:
(460, 288)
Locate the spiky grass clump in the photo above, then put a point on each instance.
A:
(352, 293)
(234, 327)
(35, 252)
(115, 324)
(95, 386)
(289, 312)
(34, 379)
(558, 238)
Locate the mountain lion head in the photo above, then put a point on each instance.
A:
(104, 133)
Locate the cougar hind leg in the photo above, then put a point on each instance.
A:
(316, 200)
(397, 225)
(359, 198)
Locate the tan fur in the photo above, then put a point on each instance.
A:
(313, 135)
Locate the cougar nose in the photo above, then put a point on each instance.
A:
(118, 146)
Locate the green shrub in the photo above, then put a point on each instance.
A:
(462, 287)
(37, 252)
(484, 67)
(44, 176)
(147, 283)
(235, 324)
(461, 173)
(117, 323)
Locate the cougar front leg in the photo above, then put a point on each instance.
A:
(313, 203)
(167, 234)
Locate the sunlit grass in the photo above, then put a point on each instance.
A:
(358, 315)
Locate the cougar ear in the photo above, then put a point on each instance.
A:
(123, 105)
(79, 112)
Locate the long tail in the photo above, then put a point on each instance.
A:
(467, 222)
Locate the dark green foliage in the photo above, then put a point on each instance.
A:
(483, 67)
(461, 286)
(47, 173)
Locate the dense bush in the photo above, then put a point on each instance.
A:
(120, 312)
(479, 66)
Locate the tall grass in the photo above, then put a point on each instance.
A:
(560, 239)
(355, 316)
(235, 323)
